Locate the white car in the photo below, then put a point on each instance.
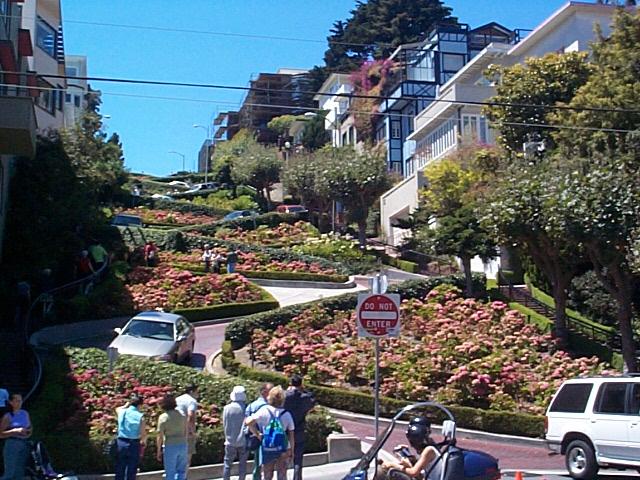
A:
(595, 422)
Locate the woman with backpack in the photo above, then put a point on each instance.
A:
(275, 428)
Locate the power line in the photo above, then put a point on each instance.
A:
(346, 95)
(290, 107)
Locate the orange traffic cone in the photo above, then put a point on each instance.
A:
(518, 476)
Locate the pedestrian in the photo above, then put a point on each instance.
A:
(298, 402)
(132, 436)
(232, 259)
(4, 400)
(275, 428)
(187, 404)
(98, 254)
(83, 265)
(207, 257)
(217, 262)
(253, 443)
(234, 437)
(171, 442)
(15, 428)
(150, 254)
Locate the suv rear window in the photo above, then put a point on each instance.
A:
(572, 398)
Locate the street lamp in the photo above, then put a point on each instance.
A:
(183, 157)
(206, 160)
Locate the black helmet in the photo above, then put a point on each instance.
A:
(420, 421)
(417, 434)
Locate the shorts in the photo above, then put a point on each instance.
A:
(191, 443)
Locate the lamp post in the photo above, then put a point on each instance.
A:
(206, 160)
(182, 155)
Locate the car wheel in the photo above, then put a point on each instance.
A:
(581, 461)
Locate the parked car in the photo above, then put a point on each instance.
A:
(595, 422)
(156, 335)
(199, 187)
(123, 220)
(236, 214)
(180, 184)
(159, 196)
(297, 210)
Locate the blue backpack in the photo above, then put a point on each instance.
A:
(274, 437)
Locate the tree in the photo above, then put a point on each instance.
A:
(524, 93)
(446, 222)
(256, 165)
(98, 161)
(377, 27)
(357, 179)
(315, 135)
(226, 152)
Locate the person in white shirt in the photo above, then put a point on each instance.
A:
(260, 420)
(187, 404)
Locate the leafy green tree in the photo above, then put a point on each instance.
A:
(357, 179)
(226, 152)
(611, 96)
(525, 91)
(282, 124)
(98, 161)
(315, 135)
(446, 222)
(376, 27)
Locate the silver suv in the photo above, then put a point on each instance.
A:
(595, 422)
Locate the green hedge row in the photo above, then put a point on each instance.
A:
(466, 417)
(271, 219)
(228, 310)
(405, 265)
(73, 446)
(240, 330)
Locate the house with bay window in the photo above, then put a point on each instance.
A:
(454, 116)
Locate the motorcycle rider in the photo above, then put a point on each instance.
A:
(410, 466)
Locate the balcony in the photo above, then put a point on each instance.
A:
(17, 126)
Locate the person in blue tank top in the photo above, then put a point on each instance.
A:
(15, 428)
(132, 436)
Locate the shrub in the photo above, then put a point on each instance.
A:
(239, 331)
(588, 296)
(228, 310)
(271, 219)
(297, 276)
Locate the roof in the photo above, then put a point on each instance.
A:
(560, 15)
(158, 316)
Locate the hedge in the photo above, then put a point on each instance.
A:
(271, 219)
(228, 310)
(239, 331)
(466, 417)
(299, 276)
(73, 447)
(405, 265)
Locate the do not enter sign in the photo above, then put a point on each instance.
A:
(378, 315)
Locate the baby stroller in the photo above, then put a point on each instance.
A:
(39, 465)
(453, 464)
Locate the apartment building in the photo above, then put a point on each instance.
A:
(333, 98)
(75, 101)
(446, 122)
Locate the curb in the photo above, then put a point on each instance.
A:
(264, 282)
(463, 432)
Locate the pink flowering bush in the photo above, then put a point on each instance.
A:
(283, 234)
(149, 215)
(456, 350)
(170, 288)
(247, 261)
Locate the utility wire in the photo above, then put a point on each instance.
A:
(345, 95)
(291, 107)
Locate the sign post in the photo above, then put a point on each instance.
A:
(378, 316)
(112, 355)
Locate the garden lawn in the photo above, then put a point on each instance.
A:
(455, 350)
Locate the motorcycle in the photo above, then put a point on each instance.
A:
(454, 463)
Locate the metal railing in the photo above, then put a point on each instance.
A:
(42, 305)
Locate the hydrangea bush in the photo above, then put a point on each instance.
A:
(170, 288)
(284, 234)
(149, 215)
(456, 350)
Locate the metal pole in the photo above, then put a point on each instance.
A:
(377, 388)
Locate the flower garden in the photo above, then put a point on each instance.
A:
(170, 288)
(458, 351)
(158, 216)
(283, 234)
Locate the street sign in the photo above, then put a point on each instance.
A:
(378, 315)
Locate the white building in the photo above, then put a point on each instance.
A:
(333, 97)
(75, 102)
(43, 19)
(440, 128)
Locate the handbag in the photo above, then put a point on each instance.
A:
(111, 448)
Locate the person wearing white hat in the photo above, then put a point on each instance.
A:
(234, 438)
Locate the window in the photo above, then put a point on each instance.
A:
(451, 62)
(611, 398)
(46, 37)
(395, 129)
(572, 398)
(71, 71)
(475, 126)
(60, 98)
(76, 100)
(67, 98)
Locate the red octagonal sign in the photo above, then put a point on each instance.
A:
(378, 315)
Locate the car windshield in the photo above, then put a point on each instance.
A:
(149, 329)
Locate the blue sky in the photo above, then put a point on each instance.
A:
(152, 121)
